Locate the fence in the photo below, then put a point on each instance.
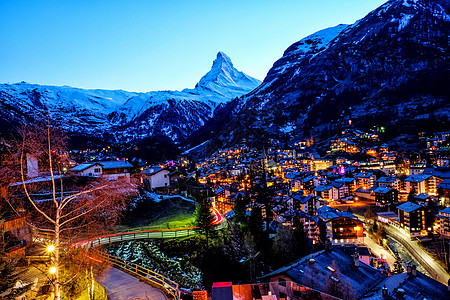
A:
(147, 275)
(147, 234)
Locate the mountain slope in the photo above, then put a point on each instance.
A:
(127, 115)
(381, 69)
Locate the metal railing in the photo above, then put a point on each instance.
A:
(139, 235)
(153, 278)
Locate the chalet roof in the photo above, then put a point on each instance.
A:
(422, 196)
(442, 172)
(387, 179)
(408, 207)
(106, 165)
(388, 214)
(153, 170)
(445, 184)
(306, 179)
(345, 180)
(292, 175)
(417, 178)
(115, 164)
(83, 166)
(445, 210)
(364, 174)
(362, 278)
(327, 213)
(415, 287)
(337, 185)
(382, 190)
(323, 187)
(301, 198)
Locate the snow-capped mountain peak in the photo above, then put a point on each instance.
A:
(175, 114)
(224, 75)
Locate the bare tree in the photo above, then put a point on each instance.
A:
(89, 206)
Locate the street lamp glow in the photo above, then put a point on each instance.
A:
(52, 270)
(50, 248)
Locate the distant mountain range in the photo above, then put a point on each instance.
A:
(127, 115)
(390, 68)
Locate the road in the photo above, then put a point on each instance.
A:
(422, 256)
(380, 251)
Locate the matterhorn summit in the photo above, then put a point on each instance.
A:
(226, 80)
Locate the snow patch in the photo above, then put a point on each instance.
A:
(404, 21)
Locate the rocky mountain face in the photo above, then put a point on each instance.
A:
(126, 115)
(390, 67)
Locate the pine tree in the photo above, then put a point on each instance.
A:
(203, 217)
(239, 209)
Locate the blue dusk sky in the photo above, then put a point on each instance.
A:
(154, 45)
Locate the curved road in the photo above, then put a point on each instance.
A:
(428, 262)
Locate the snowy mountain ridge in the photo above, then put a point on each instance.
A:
(379, 70)
(171, 113)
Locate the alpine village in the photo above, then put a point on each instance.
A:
(330, 179)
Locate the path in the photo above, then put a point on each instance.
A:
(380, 251)
(121, 286)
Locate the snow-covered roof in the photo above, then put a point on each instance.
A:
(445, 210)
(422, 196)
(115, 164)
(414, 287)
(106, 165)
(364, 174)
(387, 179)
(444, 184)
(361, 278)
(382, 190)
(408, 207)
(388, 214)
(82, 167)
(417, 178)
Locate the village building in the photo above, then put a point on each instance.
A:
(342, 227)
(314, 270)
(365, 180)
(415, 219)
(15, 235)
(156, 177)
(444, 222)
(422, 184)
(111, 170)
(385, 196)
(389, 182)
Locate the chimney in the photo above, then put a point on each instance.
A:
(355, 257)
(384, 292)
(400, 293)
(408, 268)
(414, 271)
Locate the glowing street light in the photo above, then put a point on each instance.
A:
(50, 248)
(52, 270)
